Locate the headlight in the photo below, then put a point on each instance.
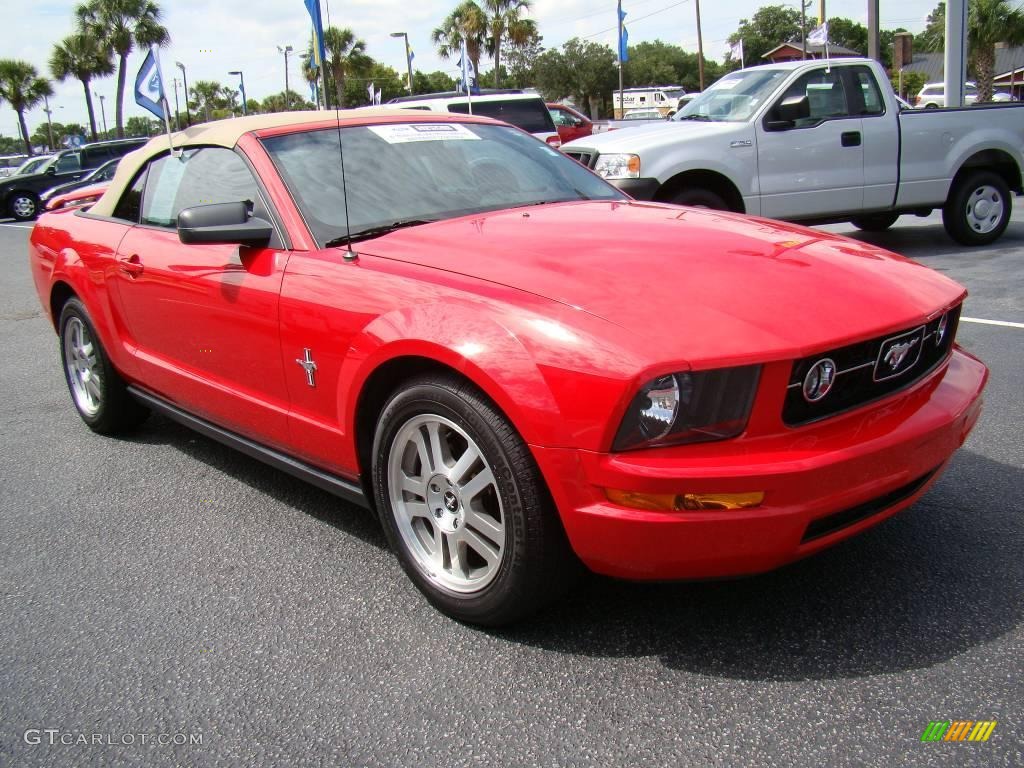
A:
(618, 166)
(689, 408)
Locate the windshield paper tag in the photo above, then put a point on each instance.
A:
(403, 134)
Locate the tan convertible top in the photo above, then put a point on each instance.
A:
(225, 133)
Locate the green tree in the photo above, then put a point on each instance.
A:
(659, 63)
(277, 103)
(769, 27)
(433, 82)
(933, 38)
(11, 146)
(83, 57)
(467, 22)
(206, 97)
(990, 22)
(346, 55)
(504, 22)
(584, 70)
(520, 59)
(22, 88)
(41, 135)
(122, 25)
(848, 34)
(913, 82)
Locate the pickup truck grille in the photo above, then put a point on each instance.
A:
(870, 370)
(583, 157)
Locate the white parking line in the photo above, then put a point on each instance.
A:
(1004, 323)
(17, 226)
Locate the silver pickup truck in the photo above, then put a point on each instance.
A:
(816, 141)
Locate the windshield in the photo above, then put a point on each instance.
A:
(414, 172)
(32, 165)
(735, 97)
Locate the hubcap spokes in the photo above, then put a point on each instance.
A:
(83, 367)
(24, 206)
(984, 209)
(446, 503)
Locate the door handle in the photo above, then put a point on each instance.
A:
(850, 139)
(131, 266)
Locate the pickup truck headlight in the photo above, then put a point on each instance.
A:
(691, 407)
(618, 166)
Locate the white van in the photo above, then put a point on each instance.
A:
(523, 110)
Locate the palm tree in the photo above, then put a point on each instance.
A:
(504, 22)
(22, 88)
(990, 22)
(467, 22)
(121, 25)
(310, 71)
(83, 57)
(346, 55)
(207, 95)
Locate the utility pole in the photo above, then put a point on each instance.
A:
(803, 28)
(241, 87)
(408, 58)
(184, 81)
(622, 104)
(700, 48)
(821, 12)
(49, 124)
(103, 112)
(177, 122)
(873, 47)
(286, 50)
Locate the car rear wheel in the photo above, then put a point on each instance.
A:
(978, 209)
(464, 505)
(23, 206)
(97, 390)
(878, 222)
(697, 197)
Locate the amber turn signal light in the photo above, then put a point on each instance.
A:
(674, 502)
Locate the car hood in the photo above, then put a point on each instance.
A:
(694, 284)
(641, 137)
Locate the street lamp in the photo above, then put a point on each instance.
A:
(241, 87)
(286, 50)
(49, 124)
(408, 58)
(103, 111)
(184, 81)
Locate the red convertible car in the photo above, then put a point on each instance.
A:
(516, 366)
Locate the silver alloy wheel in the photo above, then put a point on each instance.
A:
(23, 207)
(80, 357)
(984, 209)
(446, 503)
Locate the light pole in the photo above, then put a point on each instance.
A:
(241, 87)
(49, 124)
(103, 112)
(408, 58)
(184, 82)
(177, 121)
(286, 50)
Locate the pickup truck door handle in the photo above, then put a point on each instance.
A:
(131, 265)
(850, 139)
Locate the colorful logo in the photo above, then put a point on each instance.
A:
(958, 730)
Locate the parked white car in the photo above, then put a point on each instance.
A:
(933, 96)
(817, 141)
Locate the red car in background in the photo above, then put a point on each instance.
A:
(517, 376)
(570, 123)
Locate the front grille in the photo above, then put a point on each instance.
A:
(861, 373)
(583, 157)
(823, 526)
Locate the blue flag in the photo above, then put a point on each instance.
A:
(149, 85)
(313, 6)
(623, 37)
(467, 81)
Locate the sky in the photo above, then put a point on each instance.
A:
(213, 37)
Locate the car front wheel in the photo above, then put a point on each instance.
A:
(24, 206)
(464, 506)
(978, 209)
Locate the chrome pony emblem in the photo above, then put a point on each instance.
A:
(898, 353)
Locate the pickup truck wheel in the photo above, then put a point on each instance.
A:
(23, 206)
(97, 390)
(463, 504)
(978, 209)
(700, 198)
(877, 222)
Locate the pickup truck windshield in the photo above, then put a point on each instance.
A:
(734, 98)
(409, 173)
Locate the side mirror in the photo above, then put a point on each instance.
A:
(788, 111)
(223, 223)
(51, 171)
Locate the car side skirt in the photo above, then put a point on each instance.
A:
(326, 481)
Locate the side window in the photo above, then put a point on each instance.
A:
(826, 97)
(130, 205)
(199, 177)
(872, 97)
(67, 163)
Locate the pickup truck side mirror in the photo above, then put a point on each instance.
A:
(223, 223)
(785, 114)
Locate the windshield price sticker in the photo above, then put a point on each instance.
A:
(403, 134)
(727, 84)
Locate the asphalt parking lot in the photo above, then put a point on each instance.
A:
(164, 584)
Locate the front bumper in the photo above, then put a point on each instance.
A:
(822, 483)
(638, 189)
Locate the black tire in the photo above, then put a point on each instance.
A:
(536, 564)
(23, 206)
(965, 218)
(875, 222)
(931, 106)
(113, 409)
(697, 197)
